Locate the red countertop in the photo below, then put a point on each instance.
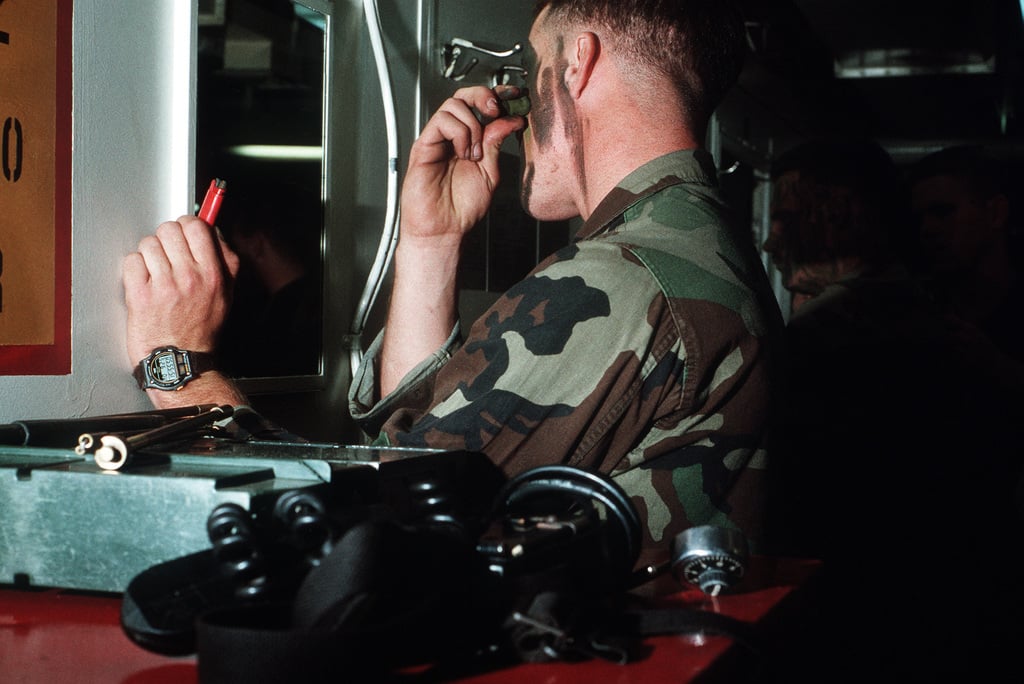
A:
(52, 635)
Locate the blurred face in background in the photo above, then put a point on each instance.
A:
(956, 226)
(804, 219)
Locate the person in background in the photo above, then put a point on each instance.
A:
(274, 325)
(858, 324)
(970, 254)
(891, 465)
(646, 350)
(835, 218)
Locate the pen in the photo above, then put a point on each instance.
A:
(212, 201)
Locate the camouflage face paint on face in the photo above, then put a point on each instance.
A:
(527, 174)
(552, 98)
(532, 64)
(542, 115)
(571, 126)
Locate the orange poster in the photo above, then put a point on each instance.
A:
(35, 187)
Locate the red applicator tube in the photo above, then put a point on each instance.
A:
(211, 203)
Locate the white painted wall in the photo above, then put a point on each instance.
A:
(131, 169)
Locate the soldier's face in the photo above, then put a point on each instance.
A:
(785, 217)
(955, 227)
(804, 220)
(551, 147)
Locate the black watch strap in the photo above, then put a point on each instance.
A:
(171, 368)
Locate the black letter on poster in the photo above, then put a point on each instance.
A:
(5, 37)
(12, 136)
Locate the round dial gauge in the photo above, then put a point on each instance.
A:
(710, 558)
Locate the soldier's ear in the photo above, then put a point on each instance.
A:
(584, 53)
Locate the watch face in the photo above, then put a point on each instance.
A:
(168, 369)
(165, 369)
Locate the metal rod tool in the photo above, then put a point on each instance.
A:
(116, 450)
(58, 432)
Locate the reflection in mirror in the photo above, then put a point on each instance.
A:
(260, 88)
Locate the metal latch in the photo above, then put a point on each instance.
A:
(454, 50)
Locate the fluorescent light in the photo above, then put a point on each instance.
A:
(892, 62)
(281, 152)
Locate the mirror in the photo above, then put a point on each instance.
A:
(260, 127)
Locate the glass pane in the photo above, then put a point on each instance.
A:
(259, 127)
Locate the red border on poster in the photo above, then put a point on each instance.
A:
(55, 359)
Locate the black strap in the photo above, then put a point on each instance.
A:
(386, 596)
(257, 645)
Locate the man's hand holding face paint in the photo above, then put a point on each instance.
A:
(453, 165)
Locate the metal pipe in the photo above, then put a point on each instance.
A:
(389, 236)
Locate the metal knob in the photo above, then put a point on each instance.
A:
(711, 558)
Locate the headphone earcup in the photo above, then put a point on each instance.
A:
(560, 489)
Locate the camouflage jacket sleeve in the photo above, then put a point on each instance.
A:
(637, 351)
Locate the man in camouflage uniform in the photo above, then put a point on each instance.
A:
(642, 350)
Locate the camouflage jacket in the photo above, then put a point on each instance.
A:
(642, 350)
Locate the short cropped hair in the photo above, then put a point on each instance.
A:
(700, 45)
(984, 174)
